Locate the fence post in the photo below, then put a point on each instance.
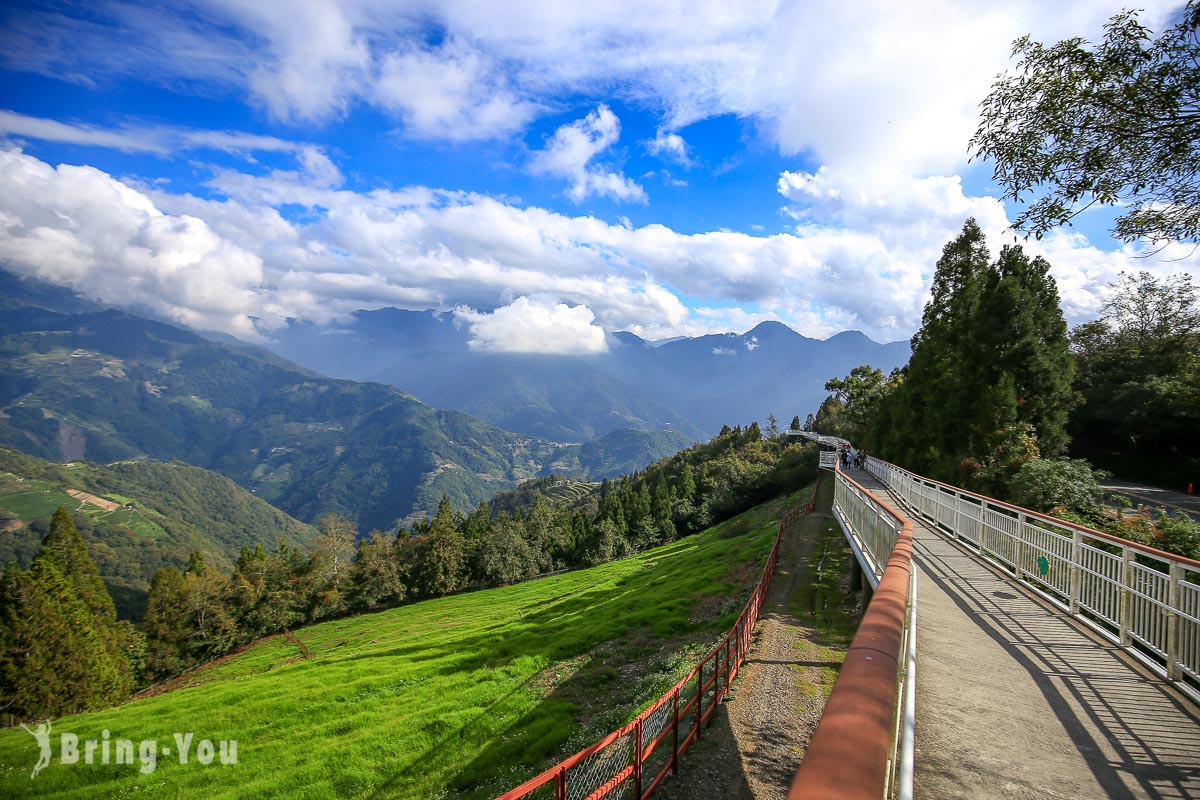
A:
(699, 698)
(1076, 574)
(1019, 549)
(675, 732)
(1175, 601)
(638, 746)
(560, 784)
(716, 675)
(1126, 599)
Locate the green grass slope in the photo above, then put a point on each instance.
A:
(164, 512)
(464, 696)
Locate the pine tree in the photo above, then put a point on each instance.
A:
(376, 572)
(166, 626)
(61, 647)
(989, 381)
(65, 549)
(443, 567)
(936, 391)
(1023, 335)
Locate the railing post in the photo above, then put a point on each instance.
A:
(1076, 573)
(699, 698)
(1019, 548)
(716, 676)
(675, 732)
(1175, 601)
(638, 746)
(1126, 599)
(560, 784)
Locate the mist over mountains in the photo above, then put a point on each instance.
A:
(689, 385)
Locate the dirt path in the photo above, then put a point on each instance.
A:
(758, 735)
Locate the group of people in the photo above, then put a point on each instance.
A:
(853, 458)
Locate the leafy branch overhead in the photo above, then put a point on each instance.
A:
(1075, 126)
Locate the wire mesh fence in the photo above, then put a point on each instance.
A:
(631, 761)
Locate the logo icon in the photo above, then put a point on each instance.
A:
(42, 734)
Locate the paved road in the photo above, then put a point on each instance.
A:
(1155, 497)
(1016, 700)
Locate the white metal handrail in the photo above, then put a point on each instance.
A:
(870, 528)
(1146, 600)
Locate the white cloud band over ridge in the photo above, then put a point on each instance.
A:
(238, 265)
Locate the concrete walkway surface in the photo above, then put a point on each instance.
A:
(1017, 700)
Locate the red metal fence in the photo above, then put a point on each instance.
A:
(632, 760)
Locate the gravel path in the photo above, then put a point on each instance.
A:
(757, 736)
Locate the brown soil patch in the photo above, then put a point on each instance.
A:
(99, 502)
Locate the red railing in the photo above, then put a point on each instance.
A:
(645, 750)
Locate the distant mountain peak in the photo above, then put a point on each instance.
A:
(851, 336)
(631, 340)
(771, 328)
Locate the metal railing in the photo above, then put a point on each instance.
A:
(871, 527)
(635, 758)
(1144, 599)
(863, 745)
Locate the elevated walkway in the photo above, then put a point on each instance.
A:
(1017, 700)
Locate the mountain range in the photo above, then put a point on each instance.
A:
(79, 382)
(105, 386)
(692, 386)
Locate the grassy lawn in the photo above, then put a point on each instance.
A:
(464, 696)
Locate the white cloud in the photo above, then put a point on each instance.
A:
(573, 148)
(724, 351)
(751, 343)
(879, 86)
(129, 141)
(78, 227)
(215, 262)
(313, 61)
(666, 144)
(534, 325)
(450, 92)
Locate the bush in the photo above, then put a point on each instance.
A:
(1046, 484)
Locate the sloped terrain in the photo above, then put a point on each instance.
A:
(136, 517)
(466, 695)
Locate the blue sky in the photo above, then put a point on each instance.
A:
(553, 172)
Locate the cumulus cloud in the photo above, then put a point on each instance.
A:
(534, 325)
(724, 351)
(316, 57)
(78, 227)
(216, 262)
(573, 148)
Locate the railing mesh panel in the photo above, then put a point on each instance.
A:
(589, 775)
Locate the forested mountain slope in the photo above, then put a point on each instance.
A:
(106, 386)
(136, 517)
